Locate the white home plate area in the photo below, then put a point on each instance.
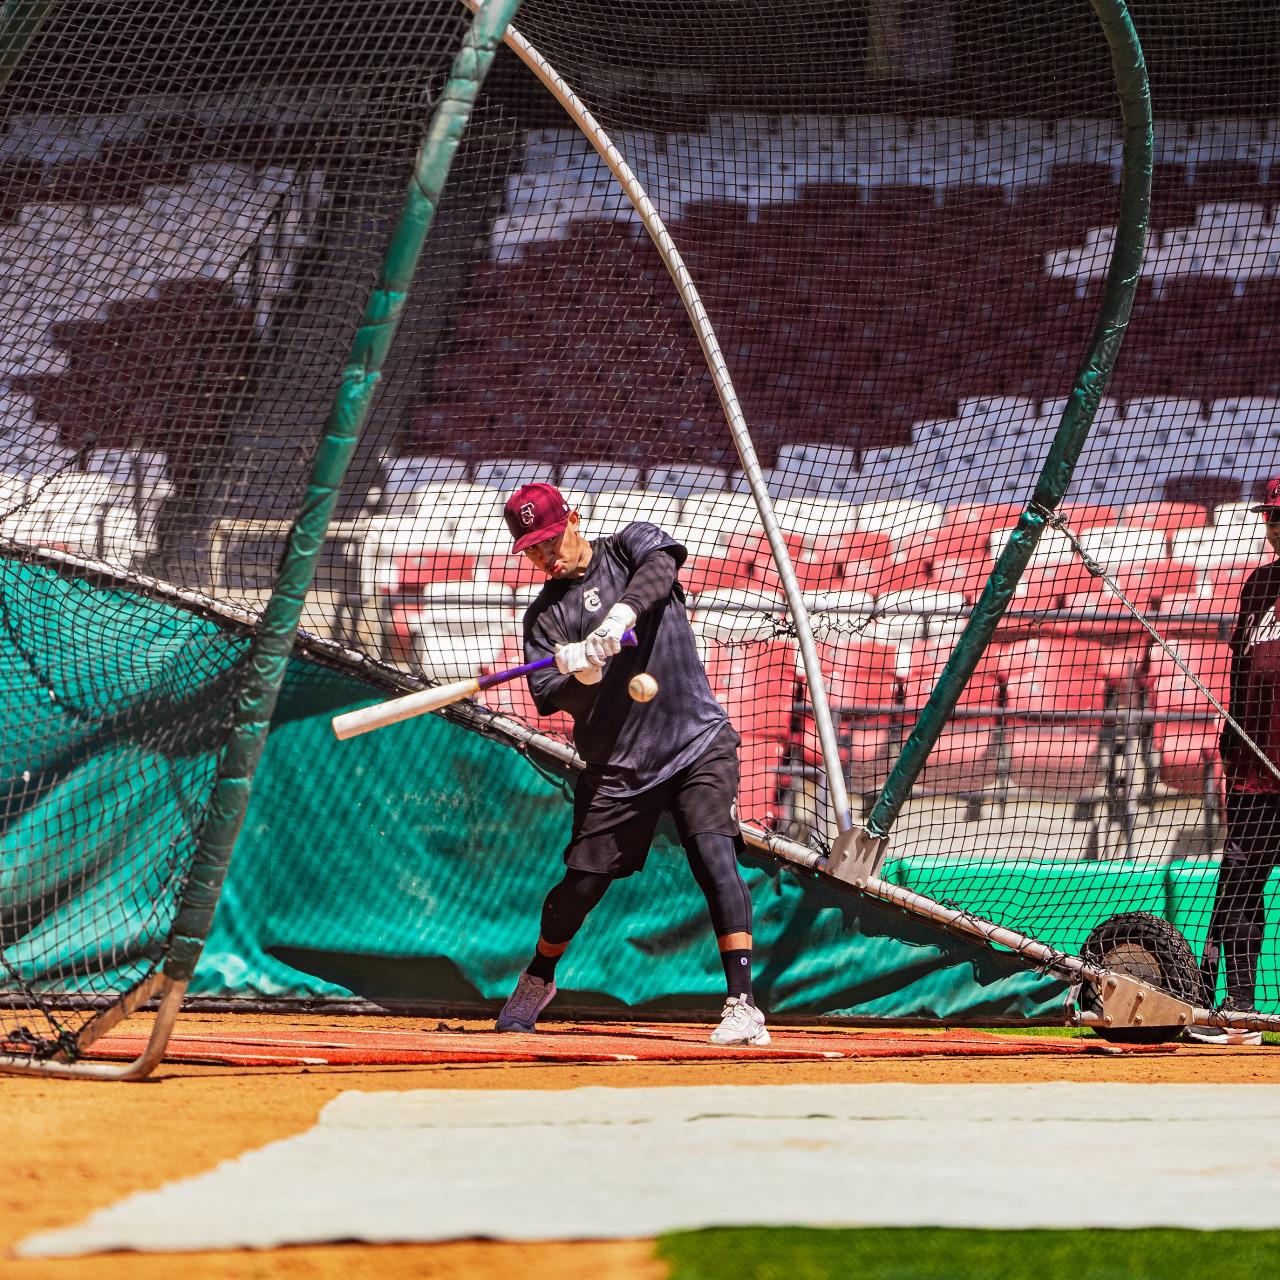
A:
(600, 1163)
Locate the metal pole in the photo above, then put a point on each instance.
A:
(692, 301)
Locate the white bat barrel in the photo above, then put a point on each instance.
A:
(364, 719)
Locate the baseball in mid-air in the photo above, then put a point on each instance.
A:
(643, 688)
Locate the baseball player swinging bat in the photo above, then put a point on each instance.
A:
(363, 719)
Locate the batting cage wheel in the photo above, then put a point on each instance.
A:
(1146, 947)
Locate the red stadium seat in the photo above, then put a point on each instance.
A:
(1047, 678)
(1084, 515)
(514, 699)
(756, 685)
(1207, 614)
(1228, 579)
(1168, 517)
(1188, 748)
(847, 562)
(761, 761)
(861, 683)
(419, 568)
(964, 758)
(511, 571)
(717, 573)
(1110, 624)
(966, 531)
(967, 576)
(1146, 584)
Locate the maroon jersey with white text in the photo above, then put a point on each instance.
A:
(1255, 684)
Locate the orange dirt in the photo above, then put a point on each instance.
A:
(75, 1146)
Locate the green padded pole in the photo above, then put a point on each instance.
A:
(274, 639)
(19, 22)
(1091, 382)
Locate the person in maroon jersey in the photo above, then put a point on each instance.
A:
(1252, 792)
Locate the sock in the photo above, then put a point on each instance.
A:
(543, 967)
(737, 972)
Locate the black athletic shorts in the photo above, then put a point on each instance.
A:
(612, 834)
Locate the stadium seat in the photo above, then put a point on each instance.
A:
(964, 576)
(479, 613)
(865, 696)
(816, 519)
(684, 479)
(1044, 679)
(415, 570)
(762, 780)
(1168, 517)
(510, 571)
(451, 655)
(1215, 547)
(599, 477)
(756, 685)
(717, 572)
(898, 519)
(1187, 747)
(509, 474)
(965, 757)
(1147, 583)
(513, 697)
(853, 561)
(1116, 547)
(613, 510)
(721, 515)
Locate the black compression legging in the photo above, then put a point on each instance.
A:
(713, 859)
(569, 903)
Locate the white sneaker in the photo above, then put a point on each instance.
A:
(1226, 1035)
(530, 997)
(740, 1023)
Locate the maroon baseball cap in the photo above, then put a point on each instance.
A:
(1271, 501)
(535, 512)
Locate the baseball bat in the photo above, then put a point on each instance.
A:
(363, 719)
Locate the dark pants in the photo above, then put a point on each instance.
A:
(1236, 925)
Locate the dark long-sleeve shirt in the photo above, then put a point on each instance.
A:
(630, 746)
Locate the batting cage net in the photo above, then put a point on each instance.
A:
(898, 218)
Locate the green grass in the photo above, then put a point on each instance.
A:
(792, 1253)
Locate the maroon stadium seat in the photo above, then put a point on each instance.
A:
(1188, 748)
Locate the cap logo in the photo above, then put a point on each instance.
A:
(526, 514)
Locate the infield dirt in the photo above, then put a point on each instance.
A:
(75, 1146)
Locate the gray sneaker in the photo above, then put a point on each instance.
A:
(741, 1023)
(530, 997)
(1225, 1035)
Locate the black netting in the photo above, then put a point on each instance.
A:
(898, 217)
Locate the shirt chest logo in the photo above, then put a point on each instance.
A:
(591, 599)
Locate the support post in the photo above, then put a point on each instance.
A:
(1090, 384)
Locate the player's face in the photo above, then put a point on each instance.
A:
(1272, 519)
(563, 556)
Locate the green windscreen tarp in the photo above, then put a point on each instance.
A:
(104, 774)
(408, 866)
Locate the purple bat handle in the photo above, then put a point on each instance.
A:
(513, 673)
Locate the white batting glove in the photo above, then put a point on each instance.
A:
(606, 639)
(573, 660)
